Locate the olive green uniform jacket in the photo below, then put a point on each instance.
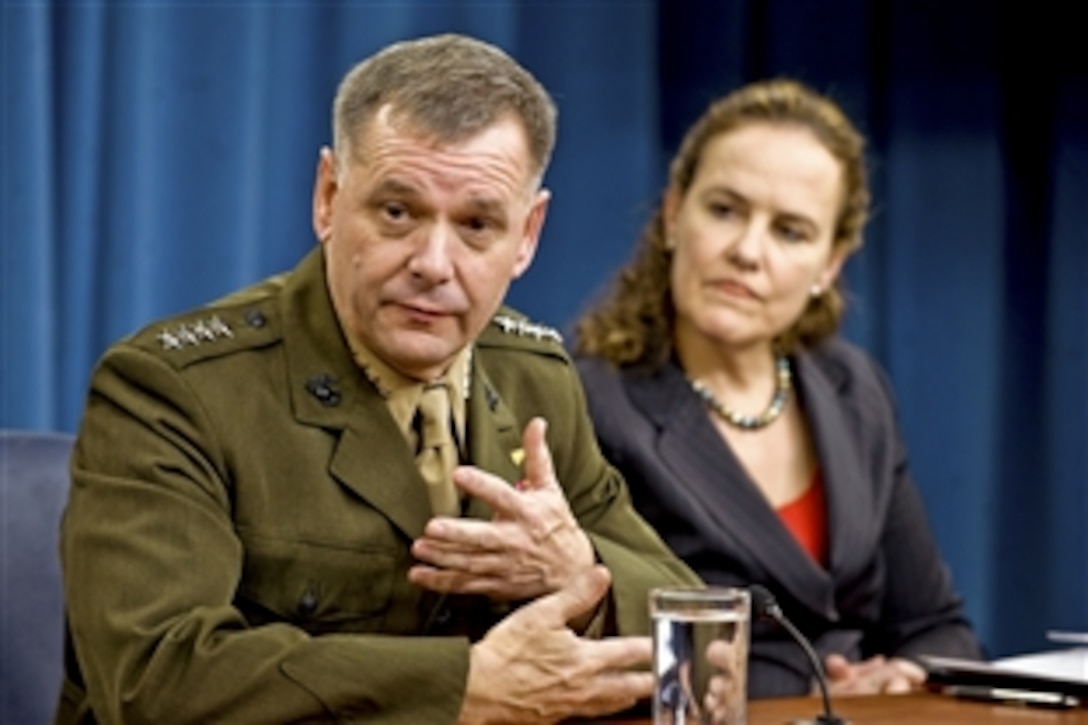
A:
(236, 544)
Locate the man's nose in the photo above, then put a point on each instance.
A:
(432, 258)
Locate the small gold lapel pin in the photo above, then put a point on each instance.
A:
(517, 456)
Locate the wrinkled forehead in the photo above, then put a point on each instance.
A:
(493, 163)
(391, 120)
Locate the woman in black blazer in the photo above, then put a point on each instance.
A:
(763, 448)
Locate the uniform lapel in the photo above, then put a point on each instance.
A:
(494, 435)
(328, 391)
(735, 515)
(372, 458)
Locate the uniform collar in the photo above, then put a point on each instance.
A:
(326, 378)
(402, 393)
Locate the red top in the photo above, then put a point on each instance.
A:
(806, 518)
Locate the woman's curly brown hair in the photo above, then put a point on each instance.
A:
(633, 324)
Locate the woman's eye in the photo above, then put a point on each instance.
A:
(722, 210)
(792, 233)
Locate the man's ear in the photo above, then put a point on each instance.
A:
(325, 189)
(530, 238)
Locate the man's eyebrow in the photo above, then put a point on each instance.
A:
(397, 187)
(487, 205)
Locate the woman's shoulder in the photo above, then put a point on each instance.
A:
(617, 395)
(852, 375)
(594, 367)
(601, 379)
(845, 361)
(840, 351)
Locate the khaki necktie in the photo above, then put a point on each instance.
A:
(437, 450)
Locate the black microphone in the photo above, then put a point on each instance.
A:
(765, 607)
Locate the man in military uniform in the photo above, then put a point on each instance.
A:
(263, 524)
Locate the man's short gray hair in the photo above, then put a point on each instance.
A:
(451, 86)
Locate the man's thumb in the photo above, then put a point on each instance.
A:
(581, 595)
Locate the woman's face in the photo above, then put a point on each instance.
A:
(752, 237)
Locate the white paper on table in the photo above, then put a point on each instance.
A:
(1066, 664)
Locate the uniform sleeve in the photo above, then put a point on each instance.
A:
(633, 552)
(921, 612)
(152, 564)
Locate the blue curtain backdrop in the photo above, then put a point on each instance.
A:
(157, 155)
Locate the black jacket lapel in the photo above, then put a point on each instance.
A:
(836, 424)
(731, 510)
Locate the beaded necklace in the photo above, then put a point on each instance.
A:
(783, 384)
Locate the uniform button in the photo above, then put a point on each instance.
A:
(323, 387)
(256, 318)
(307, 605)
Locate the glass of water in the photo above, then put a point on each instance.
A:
(700, 655)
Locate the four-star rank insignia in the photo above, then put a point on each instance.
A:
(192, 334)
(513, 326)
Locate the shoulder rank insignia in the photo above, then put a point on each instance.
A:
(524, 328)
(196, 333)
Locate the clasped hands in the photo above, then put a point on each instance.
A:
(531, 667)
(874, 676)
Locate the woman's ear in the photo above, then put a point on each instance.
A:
(834, 267)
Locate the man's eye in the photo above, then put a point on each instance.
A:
(481, 231)
(394, 211)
